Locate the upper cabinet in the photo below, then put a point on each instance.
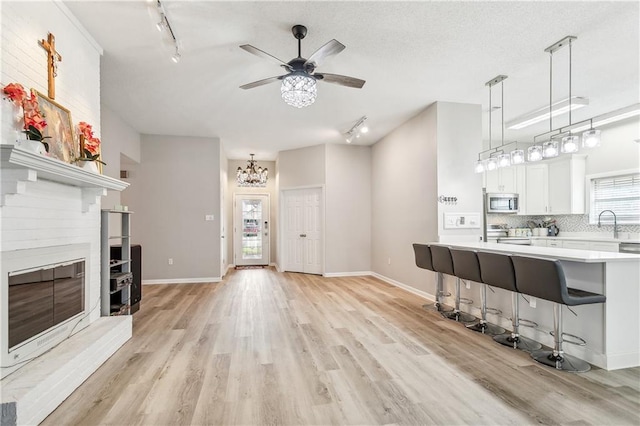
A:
(567, 185)
(503, 179)
(537, 189)
(556, 187)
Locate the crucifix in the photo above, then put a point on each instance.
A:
(53, 58)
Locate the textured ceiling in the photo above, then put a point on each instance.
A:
(410, 53)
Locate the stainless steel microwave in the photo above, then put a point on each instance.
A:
(502, 203)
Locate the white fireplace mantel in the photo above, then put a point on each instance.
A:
(18, 166)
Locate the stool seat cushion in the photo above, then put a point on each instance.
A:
(441, 259)
(423, 256)
(466, 265)
(583, 297)
(545, 279)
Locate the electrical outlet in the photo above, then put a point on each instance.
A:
(208, 217)
(532, 302)
(389, 261)
(170, 261)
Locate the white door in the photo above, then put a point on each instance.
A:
(251, 230)
(303, 230)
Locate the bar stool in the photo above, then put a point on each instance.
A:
(423, 261)
(546, 280)
(467, 267)
(443, 263)
(497, 271)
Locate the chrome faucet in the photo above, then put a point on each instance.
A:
(615, 222)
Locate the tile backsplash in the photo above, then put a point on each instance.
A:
(566, 223)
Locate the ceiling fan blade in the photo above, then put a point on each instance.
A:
(342, 80)
(261, 82)
(262, 54)
(331, 48)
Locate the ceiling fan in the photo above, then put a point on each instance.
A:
(299, 84)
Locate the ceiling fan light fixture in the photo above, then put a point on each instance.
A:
(299, 89)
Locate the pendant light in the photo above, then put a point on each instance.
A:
(502, 160)
(550, 149)
(517, 156)
(570, 142)
(590, 138)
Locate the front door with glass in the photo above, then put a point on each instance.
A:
(251, 230)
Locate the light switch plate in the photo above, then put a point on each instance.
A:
(462, 220)
(208, 217)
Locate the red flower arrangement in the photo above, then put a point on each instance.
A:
(90, 145)
(34, 122)
(15, 93)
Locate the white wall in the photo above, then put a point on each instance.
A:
(348, 209)
(118, 139)
(301, 167)
(172, 189)
(233, 189)
(459, 139)
(404, 192)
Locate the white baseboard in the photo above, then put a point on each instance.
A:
(423, 294)
(204, 280)
(278, 268)
(347, 274)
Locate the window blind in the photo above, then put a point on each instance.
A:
(621, 194)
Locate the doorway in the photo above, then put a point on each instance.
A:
(302, 231)
(251, 229)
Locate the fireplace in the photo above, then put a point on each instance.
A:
(44, 300)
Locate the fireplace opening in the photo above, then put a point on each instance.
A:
(39, 300)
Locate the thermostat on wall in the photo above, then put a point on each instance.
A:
(461, 220)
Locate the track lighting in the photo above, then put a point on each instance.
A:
(176, 57)
(164, 24)
(357, 130)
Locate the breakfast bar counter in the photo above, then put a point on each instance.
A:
(612, 329)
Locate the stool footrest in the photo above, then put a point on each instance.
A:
(527, 323)
(579, 341)
(494, 311)
(466, 301)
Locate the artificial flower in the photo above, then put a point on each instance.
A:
(15, 93)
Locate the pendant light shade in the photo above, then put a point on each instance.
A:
(569, 144)
(550, 149)
(504, 160)
(591, 138)
(534, 153)
(491, 164)
(517, 156)
(479, 166)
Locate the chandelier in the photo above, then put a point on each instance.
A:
(299, 90)
(252, 176)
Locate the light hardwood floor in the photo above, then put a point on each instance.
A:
(263, 347)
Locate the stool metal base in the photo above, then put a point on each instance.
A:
(564, 362)
(459, 316)
(486, 328)
(518, 342)
(435, 307)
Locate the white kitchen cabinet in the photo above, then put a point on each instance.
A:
(536, 189)
(539, 243)
(578, 245)
(503, 179)
(554, 243)
(602, 246)
(566, 180)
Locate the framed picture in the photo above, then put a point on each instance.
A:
(59, 127)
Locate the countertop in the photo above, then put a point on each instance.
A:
(588, 238)
(587, 256)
